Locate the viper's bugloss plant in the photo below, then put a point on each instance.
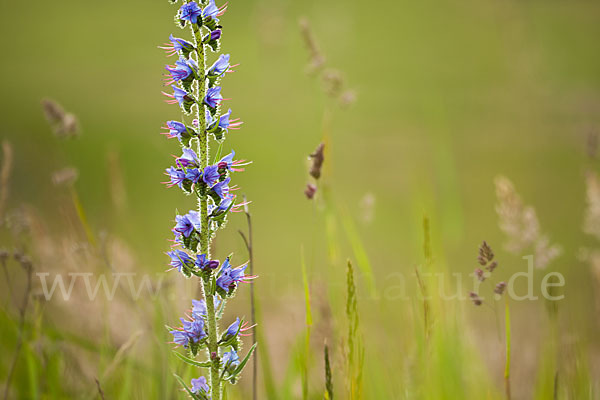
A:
(195, 88)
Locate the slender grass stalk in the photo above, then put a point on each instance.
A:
(265, 359)
(427, 253)
(26, 264)
(249, 246)
(306, 356)
(100, 392)
(5, 172)
(507, 345)
(82, 216)
(355, 349)
(328, 377)
(428, 261)
(360, 253)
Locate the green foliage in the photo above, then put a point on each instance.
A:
(355, 347)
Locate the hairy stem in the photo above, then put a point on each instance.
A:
(203, 152)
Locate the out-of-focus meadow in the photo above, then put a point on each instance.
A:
(449, 96)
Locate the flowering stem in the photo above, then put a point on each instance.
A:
(203, 151)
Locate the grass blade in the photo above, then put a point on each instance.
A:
(362, 259)
(205, 364)
(507, 364)
(240, 367)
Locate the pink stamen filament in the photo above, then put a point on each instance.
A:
(222, 10)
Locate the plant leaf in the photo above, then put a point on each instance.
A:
(205, 364)
(182, 383)
(240, 367)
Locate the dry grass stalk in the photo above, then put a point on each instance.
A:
(7, 162)
(66, 176)
(317, 60)
(591, 222)
(317, 157)
(64, 124)
(521, 225)
(334, 84)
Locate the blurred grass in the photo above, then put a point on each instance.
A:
(449, 95)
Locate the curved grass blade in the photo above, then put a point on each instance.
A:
(182, 383)
(205, 364)
(240, 367)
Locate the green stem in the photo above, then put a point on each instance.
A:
(203, 152)
(507, 338)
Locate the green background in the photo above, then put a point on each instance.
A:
(449, 95)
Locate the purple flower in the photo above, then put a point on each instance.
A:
(220, 66)
(188, 159)
(203, 263)
(182, 69)
(209, 119)
(228, 276)
(183, 225)
(222, 188)
(179, 337)
(199, 307)
(190, 12)
(179, 259)
(176, 45)
(199, 386)
(225, 123)
(234, 328)
(227, 161)
(186, 224)
(225, 204)
(215, 35)
(213, 97)
(194, 329)
(194, 217)
(176, 175)
(224, 120)
(180, 44)
(211, 11)
(191, 331)
(180, 96)
(193, 175)
(211, 175)
(230, 359)
(175, 129)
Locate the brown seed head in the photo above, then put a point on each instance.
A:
(310, 190)
(317, 158)
(479, 274)
(492, 266)
(475, 299)
(499, 289)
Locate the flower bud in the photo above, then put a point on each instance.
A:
(310, 191)
(212, 39)
(475, 299)
(499, 289)
(480, 274)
